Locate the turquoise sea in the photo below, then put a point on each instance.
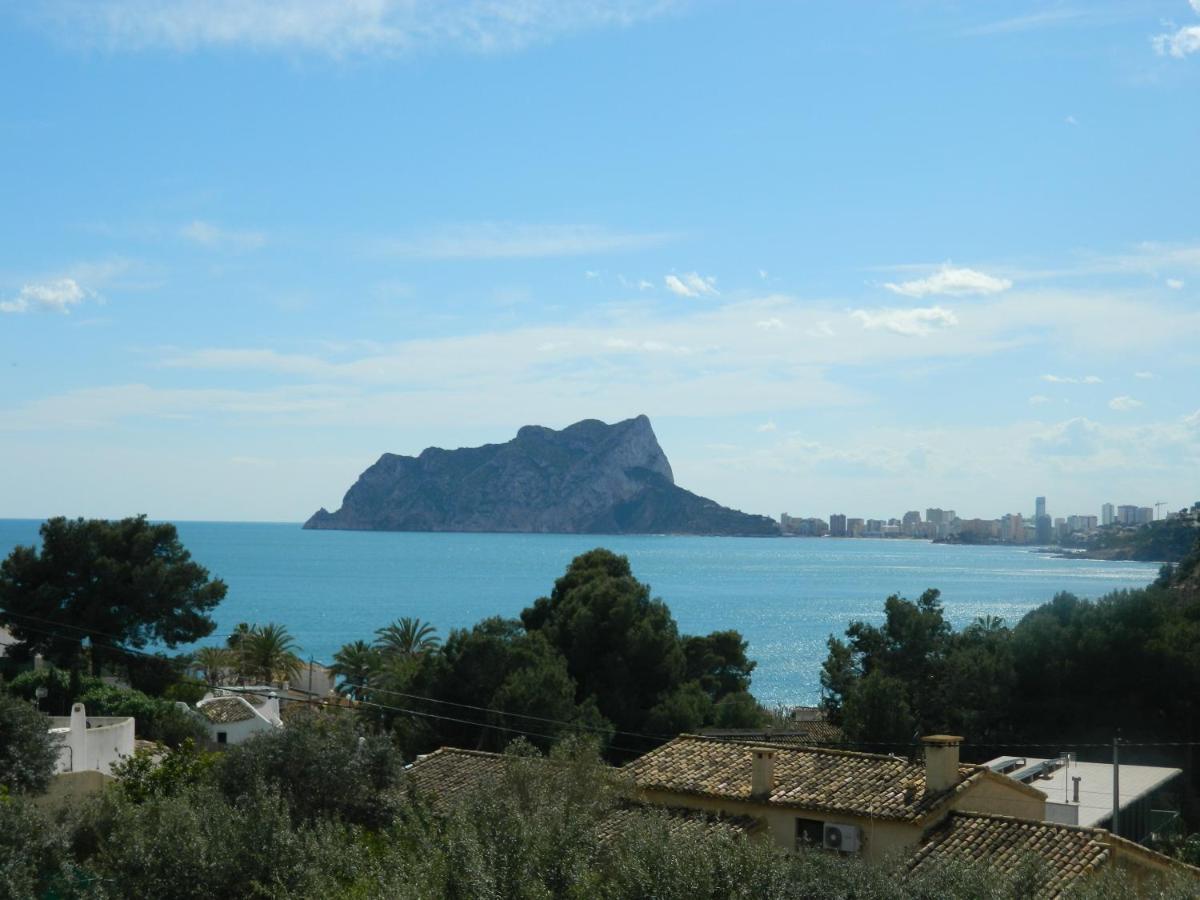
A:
(785, 595)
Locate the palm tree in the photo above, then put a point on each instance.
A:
(214, 661)
(354, 664)
(270, 653)
(406, 637)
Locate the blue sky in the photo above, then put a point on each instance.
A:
(857, 258)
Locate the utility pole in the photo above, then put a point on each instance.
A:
(1116, 784)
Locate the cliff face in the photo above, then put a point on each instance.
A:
(587, 478)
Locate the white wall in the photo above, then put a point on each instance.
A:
(97, 749)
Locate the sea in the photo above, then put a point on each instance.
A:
(785, 595)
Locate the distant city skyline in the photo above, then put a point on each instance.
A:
(841, 261)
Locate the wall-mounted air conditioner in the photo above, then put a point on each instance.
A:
(843, 838)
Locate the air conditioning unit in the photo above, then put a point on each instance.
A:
(843, 838)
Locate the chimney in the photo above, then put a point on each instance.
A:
(1075, 792)
(763, 781)
(941, 761)
(77, 740)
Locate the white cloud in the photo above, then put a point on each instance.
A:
(1071, 120)
(340, 27)
(692, 284)
(952, 281)
(1175, 284)
(499, 240)
(1179, 43)
(920, 322)
(49, 296)
(767, 427)
(1146, 374)
(772, 324)
(1072, 379)
(1123, 403)
(210, 235)
(1039, 400)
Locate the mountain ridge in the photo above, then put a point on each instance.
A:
(588, 478)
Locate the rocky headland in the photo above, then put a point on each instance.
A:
(588, 478)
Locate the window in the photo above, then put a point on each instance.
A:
(810, 833)
(221, 737)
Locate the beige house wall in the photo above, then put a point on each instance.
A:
(881, 838)
(996, 798)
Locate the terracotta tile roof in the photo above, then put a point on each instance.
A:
(677, 820)
(861, 784)
(223, 710)
(449, 775)
(999, 842)
(804, 733)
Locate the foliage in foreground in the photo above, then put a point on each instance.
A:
(242, 825)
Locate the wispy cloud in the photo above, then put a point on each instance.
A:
(349, 27)
(1143, 375)
(1071, 379)
(1039, 400)
(692, 284)
(1046, 19)
(1123, 403)
(920, 322)
(59, 295)
(952, 281)
(497, 240)
(209, 235)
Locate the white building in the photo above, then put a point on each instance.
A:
(1081, 793)
(232, 718)
(91, 743)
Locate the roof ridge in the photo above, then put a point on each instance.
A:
(789, 748)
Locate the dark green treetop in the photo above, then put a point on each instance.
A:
(127, 583)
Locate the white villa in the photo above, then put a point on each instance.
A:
(233, 717)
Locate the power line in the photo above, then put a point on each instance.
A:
(578, 726)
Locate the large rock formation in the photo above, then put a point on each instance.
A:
(588, 478)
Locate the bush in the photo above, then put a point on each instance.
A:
(154, 719)
(323, 765)
(27, 752)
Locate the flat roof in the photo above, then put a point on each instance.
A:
(1095, 784)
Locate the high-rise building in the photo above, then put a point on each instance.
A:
(1127, 515)
(1106, 514)
(1044, 528)
(1145, 515)
(1040, 504)
(837, 525)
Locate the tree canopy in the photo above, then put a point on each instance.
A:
(1072, 669)
(624, 650)
(126, 583)
(27, 752)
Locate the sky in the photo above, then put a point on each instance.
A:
(858, 258)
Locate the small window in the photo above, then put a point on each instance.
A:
(809, 833)
(221, 737)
